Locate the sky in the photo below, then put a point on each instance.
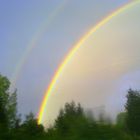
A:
(36, 35)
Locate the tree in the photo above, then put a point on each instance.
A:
(133, 111)
(69, 120)
(30, 126)
(121, 120)
(8, 108)
(8, 103)
(69, 114)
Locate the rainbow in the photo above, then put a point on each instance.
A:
(32, 44)
(74, 50)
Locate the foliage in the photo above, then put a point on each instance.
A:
(121, 120)
(8, 103)
(72, 122)
(8, 110)
(133, 111)
(29, 129)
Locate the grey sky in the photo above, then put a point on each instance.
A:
(20, 21)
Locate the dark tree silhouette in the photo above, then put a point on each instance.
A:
(8, 108)
(31, 127)
(133, 111)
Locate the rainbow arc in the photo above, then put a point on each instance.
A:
(74, 50)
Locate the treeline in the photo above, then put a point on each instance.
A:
(72, 122)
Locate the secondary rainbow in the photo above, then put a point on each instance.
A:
(36, 38)
(74, 50)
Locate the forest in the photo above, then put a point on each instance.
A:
(72, 123)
